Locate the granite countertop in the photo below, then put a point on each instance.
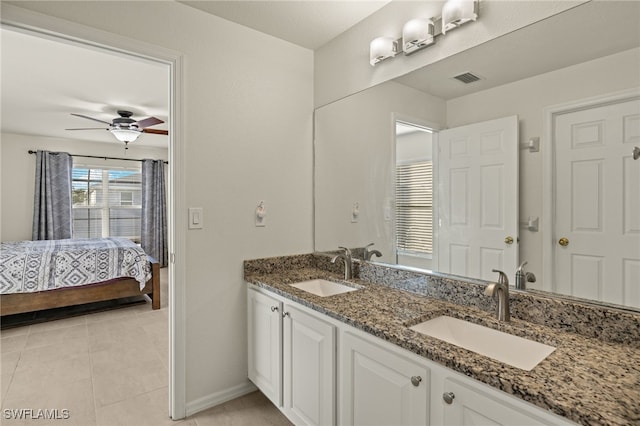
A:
(587, 380)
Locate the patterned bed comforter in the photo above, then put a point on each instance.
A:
(30, 266)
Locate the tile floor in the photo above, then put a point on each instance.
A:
(106, 369)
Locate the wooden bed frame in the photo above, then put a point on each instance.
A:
(18, 303)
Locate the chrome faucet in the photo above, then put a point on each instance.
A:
(501, 288)
(522, 277)
(521, 282)
(348, 262)
(369, 253)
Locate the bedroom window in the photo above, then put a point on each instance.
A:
(106, 202)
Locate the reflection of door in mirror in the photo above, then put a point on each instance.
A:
(414, 206)
(597, 202)
(478, 198)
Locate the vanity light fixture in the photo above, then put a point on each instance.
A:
(458, 12)
(382, 48)
(417, 34)
(420, 33)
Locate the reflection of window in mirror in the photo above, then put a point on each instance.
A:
(414, 195)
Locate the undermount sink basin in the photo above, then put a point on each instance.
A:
(323, 288)
(513, 350)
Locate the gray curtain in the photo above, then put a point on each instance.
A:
(52, 214)
(154, 211)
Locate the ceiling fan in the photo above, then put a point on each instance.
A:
(125, 128)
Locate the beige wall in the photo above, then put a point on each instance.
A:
(528, 98)
(248, 103)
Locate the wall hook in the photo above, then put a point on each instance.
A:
(533, 144)
(261, 214)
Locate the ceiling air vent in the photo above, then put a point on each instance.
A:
(467, 77)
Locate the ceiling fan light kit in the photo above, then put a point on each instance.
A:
(125, 135)
(126, 129)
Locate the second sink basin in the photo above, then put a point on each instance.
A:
(323, 288)
(513, 350)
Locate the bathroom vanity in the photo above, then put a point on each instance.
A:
(353, 357)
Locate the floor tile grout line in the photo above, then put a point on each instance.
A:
(4, 396)
(93, 386)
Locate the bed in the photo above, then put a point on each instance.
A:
(38, 275)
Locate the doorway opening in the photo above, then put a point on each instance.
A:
(74, 34)
(415, 209)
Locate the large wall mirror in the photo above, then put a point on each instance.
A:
(385, 170)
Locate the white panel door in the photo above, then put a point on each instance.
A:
(478, 198)
(309, 368)
(597, 203)
(265, 344)
(378, 387)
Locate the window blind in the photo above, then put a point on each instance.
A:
(106, 202)
(414, 207)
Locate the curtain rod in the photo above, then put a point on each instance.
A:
(31, 151)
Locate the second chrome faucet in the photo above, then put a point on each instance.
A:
(348, 262)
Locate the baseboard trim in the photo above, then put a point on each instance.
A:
(217, 398)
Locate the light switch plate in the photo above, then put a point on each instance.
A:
(196, 219)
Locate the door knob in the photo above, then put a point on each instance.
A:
(448, 397)
(508, 240)
(563, 241)
(415, 380)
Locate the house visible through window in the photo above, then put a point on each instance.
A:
(106, 202)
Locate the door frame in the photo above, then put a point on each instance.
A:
(435, 129)
(549, 176)
(50, 27)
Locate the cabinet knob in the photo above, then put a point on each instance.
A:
(285, 314)
(564, 241)
(415, 380)
(508, 240)
(274, 308)
(448, 397)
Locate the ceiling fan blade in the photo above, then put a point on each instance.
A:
(91, 118)
(148, 122)
(155, 131)
(90, 128)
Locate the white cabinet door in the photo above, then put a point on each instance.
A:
(478, 198)
(265, 344)
(309, 368)
(380, 387)
(473, 407)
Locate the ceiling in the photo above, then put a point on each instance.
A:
(38, 99)
(307, 23)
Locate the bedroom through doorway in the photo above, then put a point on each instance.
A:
(116, 352)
